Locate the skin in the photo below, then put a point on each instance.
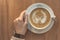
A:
(20, 23)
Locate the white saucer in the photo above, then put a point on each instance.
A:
(40, 5)
(40, 31)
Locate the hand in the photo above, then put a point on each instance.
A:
(20, 23)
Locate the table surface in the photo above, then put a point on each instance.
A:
(54, 33)
(10, 9)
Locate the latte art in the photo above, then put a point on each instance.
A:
(39, 17)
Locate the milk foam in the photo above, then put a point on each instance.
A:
(37, 20)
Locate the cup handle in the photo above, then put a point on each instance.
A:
(54, 18)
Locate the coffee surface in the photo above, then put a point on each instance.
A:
(39, 17)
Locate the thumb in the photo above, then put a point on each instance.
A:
(26, 19)
(22, 15)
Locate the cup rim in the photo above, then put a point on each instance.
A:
(47, 10)
(38, 27)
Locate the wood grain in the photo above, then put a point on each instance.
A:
(1, 37)
(52, 34)
(11, 9)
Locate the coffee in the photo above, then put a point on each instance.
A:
(39, 17)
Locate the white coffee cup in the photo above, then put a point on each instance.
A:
(40, 5)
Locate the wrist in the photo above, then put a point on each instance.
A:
(14, 38)
(19, 36)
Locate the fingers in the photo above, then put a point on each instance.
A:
(26, 18)
(22, 15)
(22, 18)
(16, 20)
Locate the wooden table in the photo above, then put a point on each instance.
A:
(13, 9)
(54, 33)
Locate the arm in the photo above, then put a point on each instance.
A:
(20, 25)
